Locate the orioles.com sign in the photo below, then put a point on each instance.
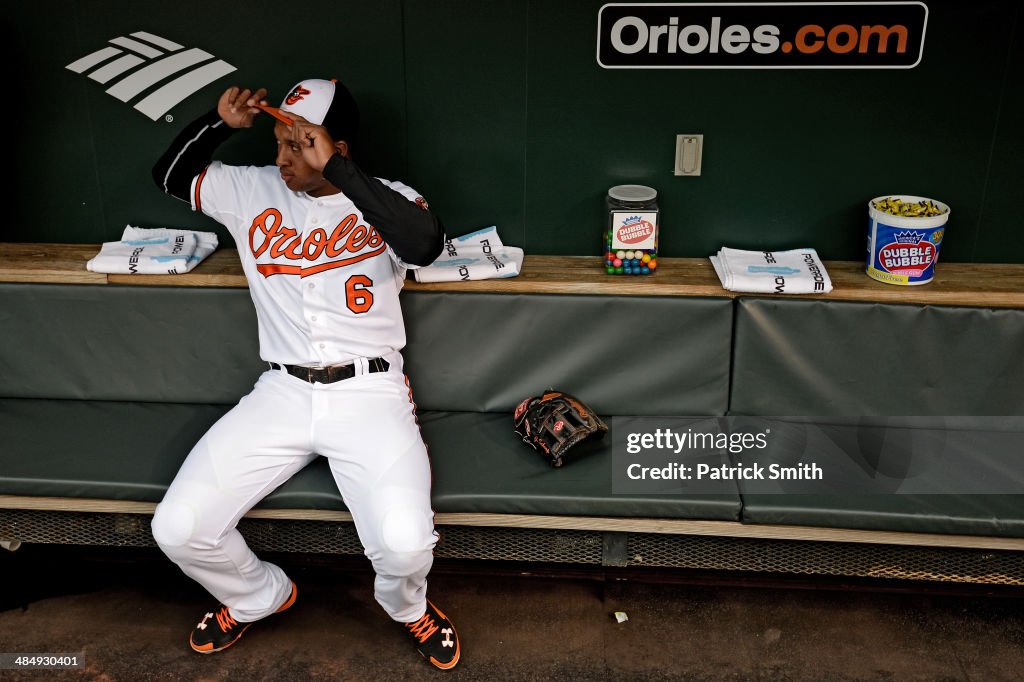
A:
(833, 35)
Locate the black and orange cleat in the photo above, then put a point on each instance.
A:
(435, 638)
(218, 630)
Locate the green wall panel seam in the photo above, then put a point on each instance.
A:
(526, 131)
(405, 90)
(1005, 84)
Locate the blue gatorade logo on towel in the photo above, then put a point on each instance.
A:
(169, 259)
(145, 242)
(772, 270)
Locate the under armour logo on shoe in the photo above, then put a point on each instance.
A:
(202, 623)
(447, 637)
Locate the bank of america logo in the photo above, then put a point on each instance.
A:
(137, 63)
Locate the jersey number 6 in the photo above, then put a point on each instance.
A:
(358, 296)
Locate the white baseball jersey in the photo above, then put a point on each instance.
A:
(324, 283)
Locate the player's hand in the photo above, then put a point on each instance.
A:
(237, 106)
(316, 143)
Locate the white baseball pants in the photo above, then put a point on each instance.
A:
(366, 427)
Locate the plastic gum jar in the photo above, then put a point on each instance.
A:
(631, 235)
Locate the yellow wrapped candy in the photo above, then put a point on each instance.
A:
(910, 209)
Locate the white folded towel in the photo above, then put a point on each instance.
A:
(477, 255)
(798, 271)
(160, 251)
(206, 242)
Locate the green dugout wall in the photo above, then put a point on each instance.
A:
(499, 113)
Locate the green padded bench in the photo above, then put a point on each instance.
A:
(798, 357)
(104, 390)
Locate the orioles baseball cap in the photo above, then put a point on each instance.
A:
(323, 102)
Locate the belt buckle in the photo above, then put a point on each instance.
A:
(331, 374)
(334, 373)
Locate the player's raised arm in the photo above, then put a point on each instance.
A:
(414, 233)
(192, 150)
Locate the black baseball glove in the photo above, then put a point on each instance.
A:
(554, 422)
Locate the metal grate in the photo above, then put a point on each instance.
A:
(133, 530)
(828, 558)
(562, 546)
(320, 537)
(520, 544)
(75, 528)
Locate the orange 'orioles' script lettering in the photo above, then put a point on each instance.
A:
(268, 233)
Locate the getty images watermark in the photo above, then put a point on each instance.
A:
(818, 455)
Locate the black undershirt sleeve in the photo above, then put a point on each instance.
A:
(189, 153)
(414, 233)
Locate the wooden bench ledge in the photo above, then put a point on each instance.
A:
(965, 284)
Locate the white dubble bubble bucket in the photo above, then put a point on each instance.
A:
(904, 249)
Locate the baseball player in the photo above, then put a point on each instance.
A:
(325, 249)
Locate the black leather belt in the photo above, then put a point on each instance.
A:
(328, 375)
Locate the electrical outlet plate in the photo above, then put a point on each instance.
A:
(689, 150)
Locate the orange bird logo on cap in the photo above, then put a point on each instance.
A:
(298, 93)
